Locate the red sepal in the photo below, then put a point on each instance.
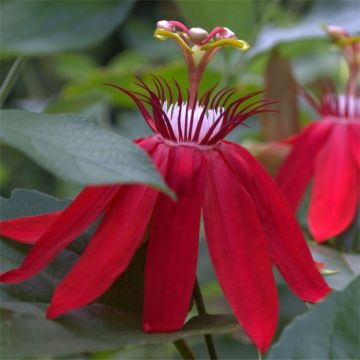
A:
(297, 169)
(28, 229)
(238, 251)
(173, 244)
(335, 191)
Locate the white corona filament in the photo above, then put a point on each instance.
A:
(349, 105)
(211, 115)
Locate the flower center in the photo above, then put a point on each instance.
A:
(204, 120)
(349, 106)
(193, 125)
(341, 106)
(207, 122)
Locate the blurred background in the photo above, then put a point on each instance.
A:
(89, 43)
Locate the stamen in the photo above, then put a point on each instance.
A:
(225, 33)
(163, 35)
(240, 44)
(165, 25)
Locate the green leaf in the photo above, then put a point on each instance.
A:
(239, 16)
(73, 65)
(39, 27)
(329, 330)
(78, 150)
(29, 202)
(90, 329)
(347, 265)
(350, 238)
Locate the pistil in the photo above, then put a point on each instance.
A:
(198, 48)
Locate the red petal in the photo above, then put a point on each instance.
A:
(173, 243)
(109, 252)
(148, 143)
(112, 247)
(335, 192)
(73, 221)
(297, 169)
(238, 251)
(285, 241)
(28, 229)
(354, 138)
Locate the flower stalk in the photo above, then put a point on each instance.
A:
(200, 305)
(184, 350)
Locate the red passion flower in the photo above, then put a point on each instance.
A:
(248, 225)
(328, 151)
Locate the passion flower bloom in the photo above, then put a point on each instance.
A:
(328, 151)
(248, 225)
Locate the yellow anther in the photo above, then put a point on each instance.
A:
(349, 40)
(240, 44)
(162, 34)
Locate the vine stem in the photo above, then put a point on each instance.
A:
(184, 350)
(200, 305)
(10, 79)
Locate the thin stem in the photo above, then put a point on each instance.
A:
(184, 349)
(10, 79)
(200, 305)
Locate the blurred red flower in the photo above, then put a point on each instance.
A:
(328, 151)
